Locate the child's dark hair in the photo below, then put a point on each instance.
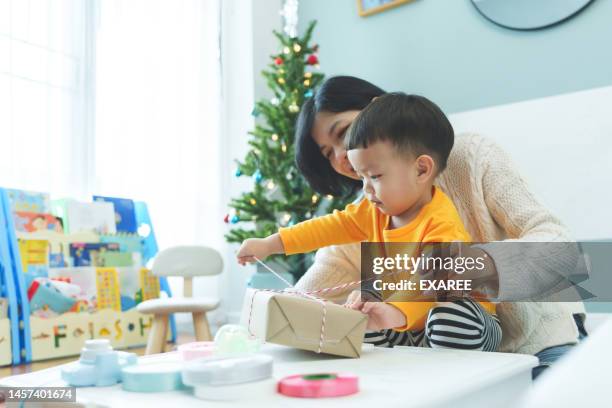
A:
(411, 122)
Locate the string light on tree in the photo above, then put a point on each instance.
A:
(286, 217)
(270, 185)
(297, 48)
(253, 201)
(293, 108)
(314, 198)
(284, 148)
(281, 80)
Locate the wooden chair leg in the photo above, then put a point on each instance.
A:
(200, 324)
(157, 335)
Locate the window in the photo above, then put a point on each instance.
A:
(44, 105)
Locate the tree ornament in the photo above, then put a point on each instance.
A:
(274, 137)
(307, 82)
(226, 218)
(315, 47)
(278, 61)
(281, 80)
(308, 75)
(255, 112)
(308, 214)
(312, 59)
(235, 219)
(238, 173)
(286, 50)
(274, 101)
(308, 93)
(257, 176)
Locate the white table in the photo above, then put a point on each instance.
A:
(402, 376)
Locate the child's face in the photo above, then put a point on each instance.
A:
(392, 181)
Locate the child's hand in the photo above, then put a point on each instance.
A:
(381, 315)
(259, 248)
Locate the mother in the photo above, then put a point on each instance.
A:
(493, 201)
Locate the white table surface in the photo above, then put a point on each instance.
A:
(402, 376)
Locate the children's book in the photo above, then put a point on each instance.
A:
(98, 217)
(149, 284)
(125, 214)
(32, 222)
(107, 289)
(29, 201)
(83, 254)
(116, 259)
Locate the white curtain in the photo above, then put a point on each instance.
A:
(157, 113)
(44, 94)
(157, 118)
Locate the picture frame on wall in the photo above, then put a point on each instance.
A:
(369, 7)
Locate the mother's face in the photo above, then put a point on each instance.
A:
(328, 133)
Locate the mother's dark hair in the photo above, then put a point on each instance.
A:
(336, 94)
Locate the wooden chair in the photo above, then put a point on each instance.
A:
(188, 262)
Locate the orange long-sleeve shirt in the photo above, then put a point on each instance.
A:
(437, 221)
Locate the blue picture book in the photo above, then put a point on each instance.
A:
(125, 215)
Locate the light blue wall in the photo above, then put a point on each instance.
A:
(445, 50)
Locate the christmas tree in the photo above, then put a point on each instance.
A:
(280, 196)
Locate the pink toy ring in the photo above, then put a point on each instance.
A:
(197, 349)
(319, 385)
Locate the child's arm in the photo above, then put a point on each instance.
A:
(353, 224)
(259, 248)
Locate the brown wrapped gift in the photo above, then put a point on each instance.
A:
(293, 320)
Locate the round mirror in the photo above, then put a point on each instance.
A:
(529, 14)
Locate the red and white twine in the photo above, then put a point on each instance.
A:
(309, 295)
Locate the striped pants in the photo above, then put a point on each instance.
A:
(461, 324)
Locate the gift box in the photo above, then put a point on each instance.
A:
(295, 320)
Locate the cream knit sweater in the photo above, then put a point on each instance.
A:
(495, 204)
